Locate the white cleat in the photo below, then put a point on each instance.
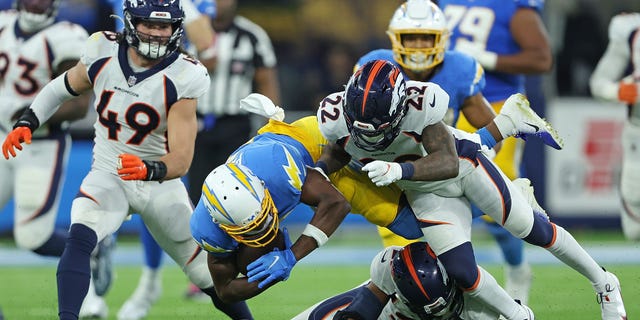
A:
(93, 306)
(146, 294)
(527, 122)
(524, 185)
(610, 300)
(518, 281)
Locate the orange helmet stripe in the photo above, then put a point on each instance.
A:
(406, 256)
(375, 69)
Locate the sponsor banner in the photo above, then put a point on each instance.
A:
(583, 178)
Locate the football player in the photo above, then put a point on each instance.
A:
(419, 38)
(509, 40)
(395, 129)
(383, 206)
(610, 81)
(34, 49)
(146, 93)
(406, 283)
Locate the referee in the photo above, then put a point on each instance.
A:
(246, 63)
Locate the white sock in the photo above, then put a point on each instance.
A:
(491, 294)
(569, 251)
(505, 125)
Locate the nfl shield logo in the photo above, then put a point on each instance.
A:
(131, 81)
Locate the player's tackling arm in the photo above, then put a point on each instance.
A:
(441, 162)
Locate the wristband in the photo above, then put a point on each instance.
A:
(487, 59)
(156, 170)
(407, 170)
(315, 233)
(28, 119)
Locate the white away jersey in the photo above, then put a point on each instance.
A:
(27, 63)
(132, 106)
(428, 104)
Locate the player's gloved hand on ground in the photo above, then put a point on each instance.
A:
(628, 92)
(383, 173)
(273, 266)
(131, 167)
(14, 139)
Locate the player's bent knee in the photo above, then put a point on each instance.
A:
(460, 264)
(198, 272)
(542, 232)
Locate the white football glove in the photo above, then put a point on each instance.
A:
(383, 173)
(262, 105)
(487, 59)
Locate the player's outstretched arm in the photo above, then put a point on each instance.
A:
(367, 304)
(331, 209)
(46, 103)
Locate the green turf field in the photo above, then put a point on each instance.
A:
(558, 292)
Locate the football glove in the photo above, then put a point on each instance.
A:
(383, 173)
(487, 59)
(131, 167)
(628, 92)
(14, 140)
(273, 266)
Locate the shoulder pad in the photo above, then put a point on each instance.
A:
(622, 25)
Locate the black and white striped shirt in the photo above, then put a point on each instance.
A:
(242, 49)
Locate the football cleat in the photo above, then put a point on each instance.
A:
(610, 300)
(101, 268)
(93, 306)
(518, 281)
(527, 122)
(146, 294)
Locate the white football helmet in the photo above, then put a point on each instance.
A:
(418, 17)
(238, 201)
(35, 15)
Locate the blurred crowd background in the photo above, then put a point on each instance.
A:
(318, 42)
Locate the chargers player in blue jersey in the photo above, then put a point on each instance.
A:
(244, 200)
(419, 38)
(509, 40)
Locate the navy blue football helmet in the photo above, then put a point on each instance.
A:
(168, 11)
(423, 284)
(375, 104)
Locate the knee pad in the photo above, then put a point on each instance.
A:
(461, 265)
(542, 232)
(198, 270)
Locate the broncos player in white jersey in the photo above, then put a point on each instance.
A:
(406, 283)
(33, 50)
(395, 128)
(610, 81)
(146, 95)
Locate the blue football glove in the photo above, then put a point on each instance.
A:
(273, 266)
(207, 7)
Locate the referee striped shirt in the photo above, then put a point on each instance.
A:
(242, 49)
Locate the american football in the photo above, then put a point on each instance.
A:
(247, 254)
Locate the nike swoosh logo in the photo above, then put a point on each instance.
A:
(533, 126)
(433, 102)
(275, 259)
(383, 260)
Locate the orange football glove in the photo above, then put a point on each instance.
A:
(14, 139)
(131, 167)
(628, 92)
